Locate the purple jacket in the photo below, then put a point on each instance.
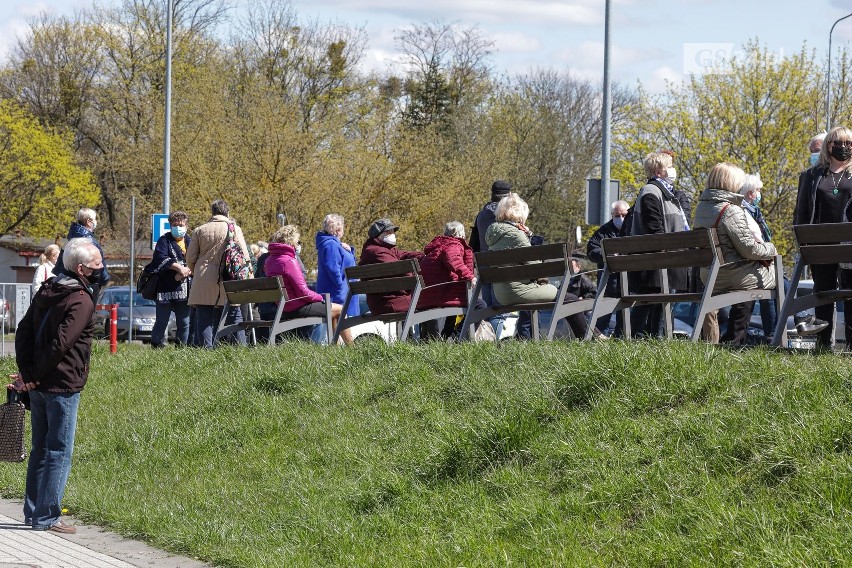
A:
(282, 262)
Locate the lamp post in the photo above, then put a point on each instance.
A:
(828, 87)
(606, 117)
(167, 133)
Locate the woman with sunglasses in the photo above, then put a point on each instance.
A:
(825, 193)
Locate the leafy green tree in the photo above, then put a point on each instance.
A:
(39, 179)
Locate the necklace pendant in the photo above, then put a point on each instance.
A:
(835, 191)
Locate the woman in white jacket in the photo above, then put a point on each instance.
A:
(46, 264)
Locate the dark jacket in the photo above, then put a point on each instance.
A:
(806, 210)
(657, 211)
(582, 287)
(483, 220)
(446, 259)
(167, 253)
(58, 359)
(332, 260)
(76, 231)
(594, 250)
(374, 252)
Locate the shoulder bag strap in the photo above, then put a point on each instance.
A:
(719, 217)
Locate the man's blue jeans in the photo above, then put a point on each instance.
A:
(54, 420)
(164, 310)
(207, 320)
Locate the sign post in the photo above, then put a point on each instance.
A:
(159, 227)
(596, 213)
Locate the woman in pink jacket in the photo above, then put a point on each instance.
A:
(302, 301)
(448, 260)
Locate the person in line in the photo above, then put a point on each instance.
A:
(815, 148)
(447, 267)
(84, 227)
(510, 231)
(333, 257)
(824, 196)
(380, 246)
(173, 280)
(594, 251)
(301, 300)
(484, 219)
(52, 350)
(204, 257)
(656, 211)
(747, 261)
(47, 261)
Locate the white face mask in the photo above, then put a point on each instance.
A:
(671, 175)
(94, 224)
(814, 158)
(390, 238)
(298, 249)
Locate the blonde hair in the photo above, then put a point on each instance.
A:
(726, 176)
(50, 251)
(834, 134)
(288, 234)
(85, 215)
(656, 162)
(512, 208)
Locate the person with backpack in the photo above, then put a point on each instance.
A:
(217, 246)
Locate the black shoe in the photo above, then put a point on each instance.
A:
(809, 325)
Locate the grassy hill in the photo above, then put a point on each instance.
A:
(627, 454)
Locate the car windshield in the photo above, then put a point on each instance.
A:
(123, 299)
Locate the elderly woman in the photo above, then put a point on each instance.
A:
(746, 259)
(825, 192)
(333, 257)
(45, 268)
(381, 247)
(510, 231)
(302, 301)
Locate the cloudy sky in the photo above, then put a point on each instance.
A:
(652, 40)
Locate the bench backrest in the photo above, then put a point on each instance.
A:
(825, 243)
(397, 276)
(513, 265)
(255, 290)
(683, 249)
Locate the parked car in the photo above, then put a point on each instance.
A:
(144, 314)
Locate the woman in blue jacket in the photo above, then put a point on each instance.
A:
(333, 256)
(173, 280)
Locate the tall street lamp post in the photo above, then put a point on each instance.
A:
(167, 134)
(828, 87)
(606, 116)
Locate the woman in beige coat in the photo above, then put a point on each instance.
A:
(204, 259)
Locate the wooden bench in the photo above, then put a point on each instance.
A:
(523, 265)
(399, 276)
(261, 290)
(825, 243)
(687, 249)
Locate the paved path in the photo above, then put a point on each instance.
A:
(91, 547)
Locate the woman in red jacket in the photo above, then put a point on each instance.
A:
(448, 260)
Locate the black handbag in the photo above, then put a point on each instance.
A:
(12, 416)
(147, 285)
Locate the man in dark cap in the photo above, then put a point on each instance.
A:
(499, 190)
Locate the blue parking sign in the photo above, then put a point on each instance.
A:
(159, 227)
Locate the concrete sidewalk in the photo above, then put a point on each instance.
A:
(91, 547)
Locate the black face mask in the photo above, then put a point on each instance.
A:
(95, 276)
(841, 153)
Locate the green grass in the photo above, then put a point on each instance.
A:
(582, 454)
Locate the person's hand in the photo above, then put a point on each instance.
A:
(19, 385)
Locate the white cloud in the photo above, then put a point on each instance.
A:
(507, 43)
(546, 12)
(591, 54)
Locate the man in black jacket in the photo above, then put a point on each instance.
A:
(52, 349)
(609, 230)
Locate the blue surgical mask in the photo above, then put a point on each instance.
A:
(178, 232)
(618, 222)
(757, 199)
(814, 158)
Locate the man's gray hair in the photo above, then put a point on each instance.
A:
(454, 229)
(78, 251)
(620, 203)
(85, 215)
(815, 143)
